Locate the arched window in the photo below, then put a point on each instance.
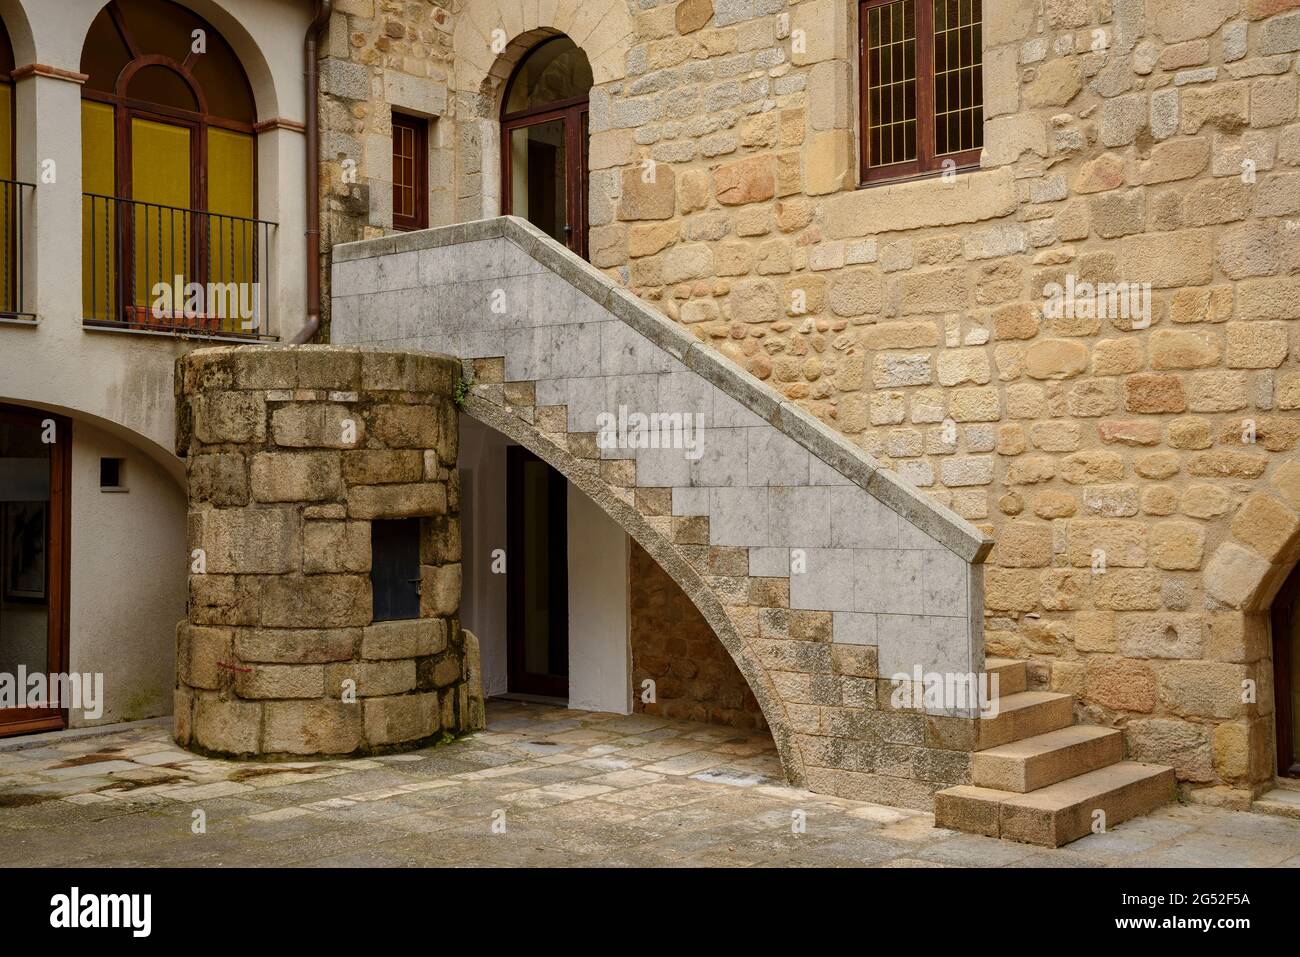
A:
(544, 141)
(168, 168)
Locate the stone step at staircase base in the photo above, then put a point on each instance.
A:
(1044, 759)
(1039, 778)
(1282, 801)
(1061, 812)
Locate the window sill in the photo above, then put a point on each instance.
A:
(19, 320)
(91, 325)
(916, 177)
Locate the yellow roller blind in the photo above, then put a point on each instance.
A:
(232, 243)
(99, 223)
(160, 176)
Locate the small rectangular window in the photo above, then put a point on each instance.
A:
(922, 86)
(111, 475)
(395, 568)
(410, 172)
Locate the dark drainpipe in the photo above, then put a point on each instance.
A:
(312, 76)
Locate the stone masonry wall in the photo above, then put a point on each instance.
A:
(674, 646)
(380, 56)
(291, 453)
(1138, 141)
(1125, 142)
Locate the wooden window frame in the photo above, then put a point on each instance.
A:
(926, 164)
(419, 127)
(199, 121)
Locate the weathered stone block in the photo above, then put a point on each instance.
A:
(226, 726)
(332, 547)
(246, 541)
(411, 638)
(370, 678)
(281, 681)
(316, 601)
(397, 501)
(312, 727)
(392, 720)
(295, 476)
(295, 645)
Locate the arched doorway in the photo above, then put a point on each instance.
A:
(544, 141)
(1286, 675)
(169, 159)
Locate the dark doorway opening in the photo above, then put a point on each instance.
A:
(1286, 675)
(537, 576)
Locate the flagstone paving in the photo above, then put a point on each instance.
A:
(541, 786)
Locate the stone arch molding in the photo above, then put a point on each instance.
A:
(1246, 571)
(601, 28)
(822, 573)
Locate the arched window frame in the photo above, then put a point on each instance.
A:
(126, 107)
(574, 113)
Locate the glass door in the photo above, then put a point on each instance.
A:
(33, 522)
(544, 142)
(546, 172)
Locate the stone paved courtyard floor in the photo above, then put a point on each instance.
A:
(572, 788)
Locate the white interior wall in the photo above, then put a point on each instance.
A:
(600, 656)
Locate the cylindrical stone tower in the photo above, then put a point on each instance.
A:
(325, 553)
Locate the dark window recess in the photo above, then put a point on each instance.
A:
(110, 473)
(395, 568)
(410, 172)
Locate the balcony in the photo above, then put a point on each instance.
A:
(14, 199)
(152, 268)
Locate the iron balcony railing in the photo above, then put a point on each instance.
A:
(14, 199)
(153, 267)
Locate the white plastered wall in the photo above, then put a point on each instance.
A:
(128, 577)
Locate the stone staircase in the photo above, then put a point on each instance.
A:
(1038, 777)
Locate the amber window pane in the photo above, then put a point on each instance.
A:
(555, 71)
(958, 76)
(891, 83)
(104, 55)
(6, 52)
(164, 86)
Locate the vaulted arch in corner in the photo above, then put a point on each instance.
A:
(1256, 573)
(583, 475)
